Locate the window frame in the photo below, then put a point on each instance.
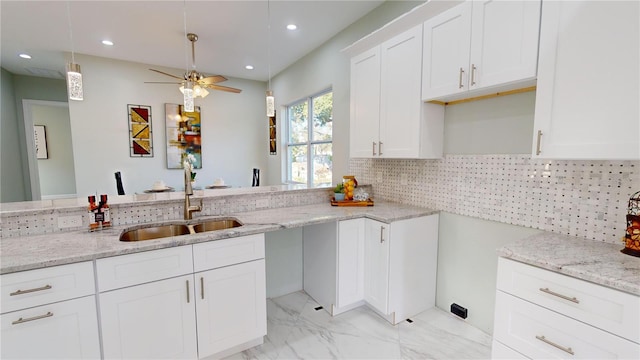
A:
(309, 143)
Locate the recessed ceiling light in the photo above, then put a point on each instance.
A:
(249, 67)
(292, 26)
(107, 42)
(25, 56)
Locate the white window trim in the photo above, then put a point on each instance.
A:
(308, 143)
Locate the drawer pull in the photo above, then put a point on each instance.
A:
(202, 287)
(572, 299)
(20, 292)
(460, 79)
(188, 292)
(381, 234)
(565, 349)
(21, 320)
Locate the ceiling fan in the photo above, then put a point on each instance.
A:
(200, 81)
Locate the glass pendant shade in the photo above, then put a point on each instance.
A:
(198, 91)
(188, 97)
(74, 82)
(271, 104)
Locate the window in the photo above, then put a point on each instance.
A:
(309, 140)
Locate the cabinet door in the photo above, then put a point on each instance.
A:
(64, 330)
(151, 321)
(376, 273)
(446, 52)
(588, 88)
(351, 235)
(365, 103)
(400, 101)
(504, 42)
(231, 306)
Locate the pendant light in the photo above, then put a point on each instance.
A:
(271, 102)
(74, 76)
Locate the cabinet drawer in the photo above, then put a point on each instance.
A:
(227, 252)
(63, 330)
(126, 270)
(602, 307)
(543, 334)
(43, 286)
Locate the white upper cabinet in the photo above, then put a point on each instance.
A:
(388, 118)
(587, 94)
(365, 103)
(480, 47)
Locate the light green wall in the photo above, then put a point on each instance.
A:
(502, 125)
(11, 173)
(468, 262)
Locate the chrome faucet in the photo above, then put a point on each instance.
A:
(188, 191)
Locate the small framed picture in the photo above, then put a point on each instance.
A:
(40, 140)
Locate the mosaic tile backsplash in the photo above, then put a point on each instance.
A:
(586, 199)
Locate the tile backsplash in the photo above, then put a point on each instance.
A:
(584, 198)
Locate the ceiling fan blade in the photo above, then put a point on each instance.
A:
(213, 79)
(164, 73)
(223, 88)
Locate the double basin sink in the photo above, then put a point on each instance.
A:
(162, 231)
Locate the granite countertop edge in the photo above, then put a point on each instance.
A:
(41, 251)
(594, 261)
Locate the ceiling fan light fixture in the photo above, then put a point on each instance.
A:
(74, 82)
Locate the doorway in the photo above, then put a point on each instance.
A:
(51, 172)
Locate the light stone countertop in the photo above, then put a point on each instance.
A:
(597, 262)
(33, 252)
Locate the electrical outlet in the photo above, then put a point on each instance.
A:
(262, 203)
(70, 221)
(404, 179)
(379, 177)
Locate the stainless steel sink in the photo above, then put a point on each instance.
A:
(162, 231)
(154, 232)
(219, 224)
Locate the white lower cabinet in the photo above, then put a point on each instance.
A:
(231, 306)
(63, 330)
(219, 310)
(390, 267)
(155, 320)
(542, 314)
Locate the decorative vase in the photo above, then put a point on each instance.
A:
(338, 196)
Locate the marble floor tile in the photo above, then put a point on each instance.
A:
(297, 331)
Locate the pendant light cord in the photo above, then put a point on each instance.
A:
(73, 58)
(269, 41)
(184, 18)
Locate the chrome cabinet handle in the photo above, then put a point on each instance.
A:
(473, 74)
(460, 79)
(380, 148)
(572, 299)
(21, 320)
(381, 234)
(538, 151)
(188, 293)
(20, 292)
(557, 346)
(202, 287)
(374, 148)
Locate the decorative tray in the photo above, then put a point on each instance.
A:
(367, 202)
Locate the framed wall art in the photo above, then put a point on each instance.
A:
(40, 140)
(183, 135)
(140, 132)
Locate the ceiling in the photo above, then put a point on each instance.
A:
(231, 34)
